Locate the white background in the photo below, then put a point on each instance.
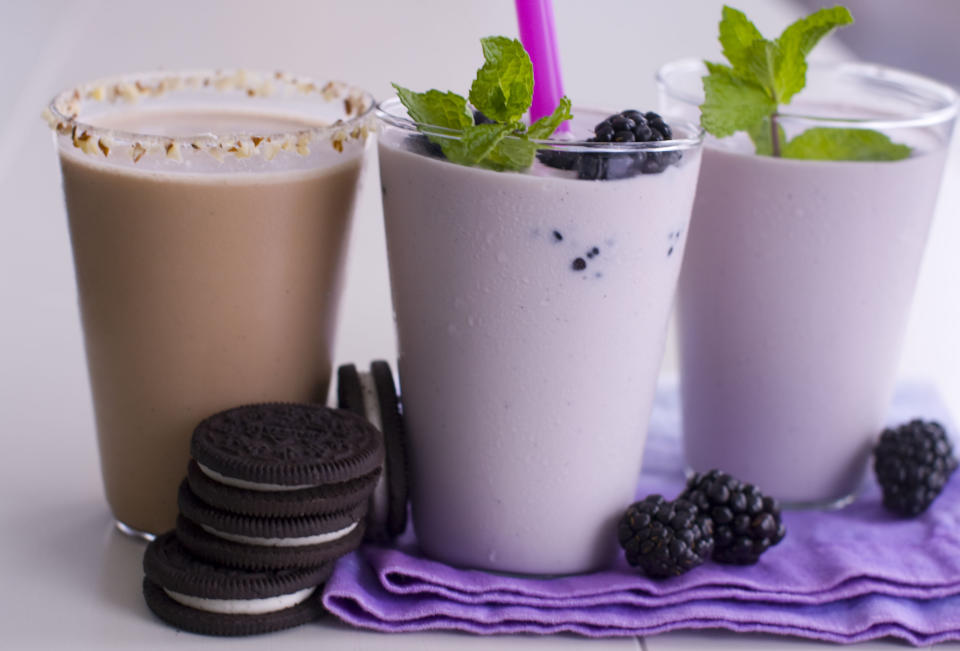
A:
(69, 579)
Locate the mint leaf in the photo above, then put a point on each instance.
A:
(512, 154)
(823, 143)
(804, 34)
(798, 40)
(503, 88)
(439, 109)
(481, 139)
(765, 58)
(737, 34)
(752, 57)
(436, 108)
(731, 102)
(545, 126)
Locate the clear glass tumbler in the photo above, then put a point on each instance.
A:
(209, 214)
(794, 297)
(531, 310)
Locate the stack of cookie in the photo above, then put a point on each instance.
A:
(274, 494)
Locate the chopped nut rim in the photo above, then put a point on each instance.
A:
(64, 115)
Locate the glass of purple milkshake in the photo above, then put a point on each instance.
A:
(531, 309)
(795, 293)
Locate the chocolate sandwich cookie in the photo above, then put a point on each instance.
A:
(203, 598)
(279, 446)
(349, 390)
(266, 543)
(326, 498)
(373, 395)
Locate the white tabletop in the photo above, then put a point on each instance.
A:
(73, 581)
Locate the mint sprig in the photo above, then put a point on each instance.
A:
(762, 75)
(502, 91)
(503, 88)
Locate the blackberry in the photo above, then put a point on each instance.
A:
(420, 144)
(480, 118)
(558, 159)
(659, 126)
(913, 463)
(665, 538)
(626, 126)
(745, 522)
(632, 126)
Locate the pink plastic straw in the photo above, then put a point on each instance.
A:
(540, 40)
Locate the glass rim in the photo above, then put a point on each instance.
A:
(64, 111)
(946, 99)
(387, 113)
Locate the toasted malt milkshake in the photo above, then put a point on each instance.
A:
(209, 267)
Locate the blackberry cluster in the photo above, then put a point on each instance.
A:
(665, 538)
(913, 463)
(633, 126)
(746, 523)
(626, 126)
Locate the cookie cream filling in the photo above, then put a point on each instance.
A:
(249, 485)
(299, 541)
(378, 501)
(243, 606)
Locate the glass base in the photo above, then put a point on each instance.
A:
(834, 504)
(825, 505)
(127, 530)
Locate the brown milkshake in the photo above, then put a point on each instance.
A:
(208, 272)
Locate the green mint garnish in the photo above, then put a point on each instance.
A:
(762, 75)
(503, 88)
(433, 107)
(502, 91)
(822, 143)
(731, 103)
(545, 126)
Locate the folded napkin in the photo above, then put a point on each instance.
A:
(841, 576)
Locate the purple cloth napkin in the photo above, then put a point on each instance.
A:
(841, 576)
